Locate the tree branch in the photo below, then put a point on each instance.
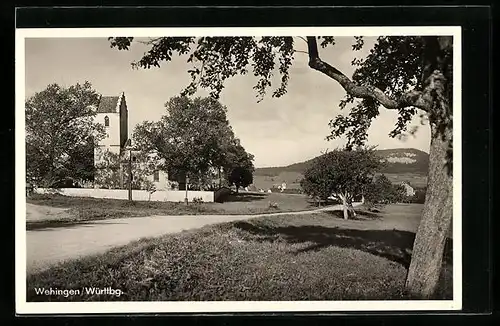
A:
(410, 98)
(150, 41)
(302, 38)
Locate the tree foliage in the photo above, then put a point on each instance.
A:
(61, 134)
(395, 66)
(342, 174)
(381, 191)
(238, 167)
(193, 137)
(398, 73)
(112, 170)
(216, 59)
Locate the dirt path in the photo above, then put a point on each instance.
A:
(38, 212)
(49, 246)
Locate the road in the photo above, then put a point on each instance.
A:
(49, 246)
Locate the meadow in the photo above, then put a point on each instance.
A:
(292, 179)
(56, 210)
(299, 257)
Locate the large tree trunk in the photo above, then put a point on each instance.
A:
(428, 248)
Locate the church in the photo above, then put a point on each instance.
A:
(112, 113)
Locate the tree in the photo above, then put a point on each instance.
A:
(239, 168)
(112, 170)
(240, 176)
(381, 191)
(109, 172)
(405, 74)
(192, 138)
(237, 164)
(185, 137)
(61, 134)
(342, 174)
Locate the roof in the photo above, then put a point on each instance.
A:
(108, 104)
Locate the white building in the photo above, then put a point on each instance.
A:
(409, 189)
(112, 113)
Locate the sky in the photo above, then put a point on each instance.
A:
(277, 131)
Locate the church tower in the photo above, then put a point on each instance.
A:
(112, 113)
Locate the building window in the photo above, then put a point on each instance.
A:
(134, 158)
(106, 121)
(156, 176)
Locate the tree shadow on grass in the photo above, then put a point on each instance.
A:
(360, 215)
(51, 225)
(394, 245)
(244, 197)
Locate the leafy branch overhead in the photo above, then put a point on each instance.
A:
(397, 73)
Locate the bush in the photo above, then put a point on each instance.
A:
(197, 200)
(419, 196)
(287, 190)
(381, 191)
(222, 194)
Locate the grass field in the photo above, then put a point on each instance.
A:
(302, 257)
(292, 179)
(63, 210)
(265, 182)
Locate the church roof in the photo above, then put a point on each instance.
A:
(108, 104)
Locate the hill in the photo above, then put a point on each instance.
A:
(400, 160)
(401, 164)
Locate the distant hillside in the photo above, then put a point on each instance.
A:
(397, 161)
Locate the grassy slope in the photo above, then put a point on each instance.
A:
(415, 174)
(420, 166)
(308, 257)
(80, 209)
(266, 182)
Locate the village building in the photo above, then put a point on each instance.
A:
(112, 113)
(410, 192)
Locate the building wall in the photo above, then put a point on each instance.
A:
(163, 183)
(113, 131)
(140, 195)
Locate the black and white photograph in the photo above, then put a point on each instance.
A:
(238, 169)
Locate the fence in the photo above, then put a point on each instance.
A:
(140, 195)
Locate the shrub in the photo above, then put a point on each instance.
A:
(197, 200)
(419, 196)
(222, 194)
(287, 190)
(381, 191)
